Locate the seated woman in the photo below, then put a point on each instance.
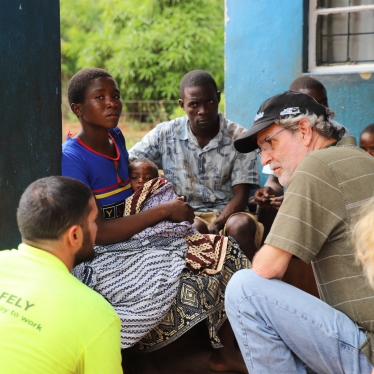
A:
(140, 265)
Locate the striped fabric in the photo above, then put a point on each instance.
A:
(140, 278)
(314, 223)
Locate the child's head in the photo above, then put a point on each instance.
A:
(141, 171)
(94, 98)
(367, 139)
(311, 87)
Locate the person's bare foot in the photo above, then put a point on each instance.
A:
(227, 360)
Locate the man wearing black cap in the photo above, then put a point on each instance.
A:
(280, 327)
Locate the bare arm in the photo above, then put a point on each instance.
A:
(272, 189)
(271, 262)
(237, 204)
(273, 182)
(121, 229)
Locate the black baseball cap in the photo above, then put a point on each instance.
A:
(281, 106)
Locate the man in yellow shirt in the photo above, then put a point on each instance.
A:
(49, 321)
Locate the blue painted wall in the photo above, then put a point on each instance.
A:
(351, 98)
(30, 115)
(264, 54)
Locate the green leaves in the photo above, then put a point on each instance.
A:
(147, 45)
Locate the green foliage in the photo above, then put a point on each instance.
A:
(147, 45)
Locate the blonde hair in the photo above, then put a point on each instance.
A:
(363, 239)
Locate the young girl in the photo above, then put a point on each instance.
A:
(145, 280)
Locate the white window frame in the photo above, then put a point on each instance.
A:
(338, 68)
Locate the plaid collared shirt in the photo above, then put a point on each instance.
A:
(204, 175)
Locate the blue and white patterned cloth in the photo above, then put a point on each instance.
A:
(140, 277)
(205, 176)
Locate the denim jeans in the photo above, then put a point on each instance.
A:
(281, 329)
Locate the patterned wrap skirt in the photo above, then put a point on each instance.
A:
(146, 279)
(199, 297)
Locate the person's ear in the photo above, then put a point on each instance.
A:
(74, 237)
(76, 109)
(219, 96)
(181, 104)
(306, 131)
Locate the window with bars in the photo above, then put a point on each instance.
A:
(341, 35)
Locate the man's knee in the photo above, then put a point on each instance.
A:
(240, 224)
(200, 226)
(246, 283)
(240, 283)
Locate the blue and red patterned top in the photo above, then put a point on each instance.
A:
(107, 177)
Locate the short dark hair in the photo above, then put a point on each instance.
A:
(306, 82)
(196, 78)
(49, 206)
(145, 161)
(81, 80)
(369, 129)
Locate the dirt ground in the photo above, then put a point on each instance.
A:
(189, 354)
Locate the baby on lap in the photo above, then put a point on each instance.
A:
(206, 252)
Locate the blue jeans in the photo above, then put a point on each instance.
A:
(281, 329)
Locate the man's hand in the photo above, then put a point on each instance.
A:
(237, 204)
(276, 202)
(265, 198)
(179, 211)
(214, 228)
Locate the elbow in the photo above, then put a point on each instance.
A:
(103, 234)
(267, 273)
(101, 238)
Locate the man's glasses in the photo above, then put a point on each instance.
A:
(265, 145)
